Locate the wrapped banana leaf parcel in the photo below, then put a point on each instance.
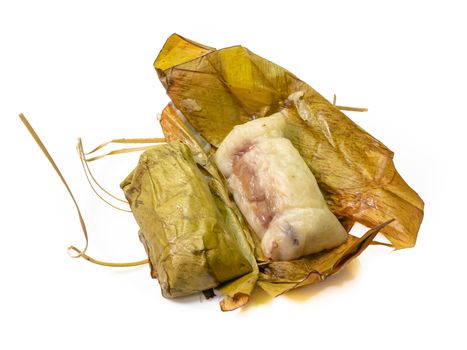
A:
(258, 183)
(191, 246)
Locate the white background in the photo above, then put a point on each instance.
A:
(85, 69)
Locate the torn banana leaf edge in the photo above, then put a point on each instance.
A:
(279, 277)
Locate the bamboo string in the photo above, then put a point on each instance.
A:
(80, 253)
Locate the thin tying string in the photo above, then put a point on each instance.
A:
(71, 249)
(137, 140)
(346, 108)
(118, 151)
(92, 180)
(87, 170)
(104, 263)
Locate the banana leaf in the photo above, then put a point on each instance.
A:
(237, 292)
(275, 278)
(187, 231)
(279, 277)
(218, 89)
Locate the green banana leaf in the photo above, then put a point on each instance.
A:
(187, 231)
(237, 292)
(218, 89)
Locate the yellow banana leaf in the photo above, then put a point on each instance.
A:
(218, 89)
(279, 277)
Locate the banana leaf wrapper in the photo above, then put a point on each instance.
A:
(279, 277)
(187, 231)
(218, 89)
(237, 292)
(275, 278)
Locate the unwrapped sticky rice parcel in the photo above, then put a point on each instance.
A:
(276, 191)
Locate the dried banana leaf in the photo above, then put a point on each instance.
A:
(281, 276)
(236, 292)
(218, 89)
(275, 277)
(187, 231)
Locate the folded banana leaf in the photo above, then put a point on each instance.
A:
(275, 277)
(218, 89)
(279, 277)
(236, 292)
(191, 240)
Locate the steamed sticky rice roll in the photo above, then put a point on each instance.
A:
(276, 191)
